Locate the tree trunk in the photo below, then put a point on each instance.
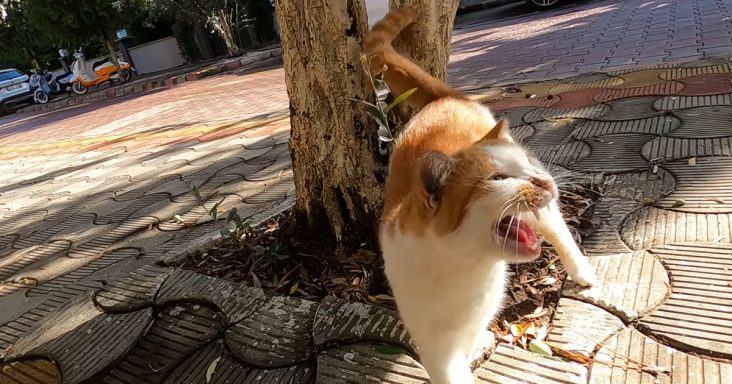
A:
(222, 26)
(338, 175)
(110, 47)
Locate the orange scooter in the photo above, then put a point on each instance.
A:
(103, 70)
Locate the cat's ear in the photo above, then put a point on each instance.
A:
(501, 132)
(434, 169)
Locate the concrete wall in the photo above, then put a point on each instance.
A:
(157, 56)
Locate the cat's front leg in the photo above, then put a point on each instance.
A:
(551, 224)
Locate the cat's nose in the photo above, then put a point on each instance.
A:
(545, 183)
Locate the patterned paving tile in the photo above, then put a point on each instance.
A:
(682, 73)
(590, 112)
(133, 292)
(81, 339)
(707, 85)
(552, 132)
(580, 327)
(511, 365)
(522, 132)
(614, 154)
(661, 89)
(276, 335)
(36, 371)
(16, 260)
(641, 78)
(703, 188)
(358, 363)
(669, 148)
(563, 154)
(576, 99)
(672, 103)
(625, 354)
(638, 186)
(657, 125)
(604, 83)
(608, 215)
(522, 102)
(179, 330)
(704, 122)
(697, 314)
(338, 321)
(515, 116)
(227, 370)
(631, 108)
(630, 284)
(236, 301)
(650, 227)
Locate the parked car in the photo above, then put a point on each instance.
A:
(14, 87)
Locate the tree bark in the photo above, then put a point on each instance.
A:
(334, 148)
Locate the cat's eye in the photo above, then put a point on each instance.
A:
(499, 176)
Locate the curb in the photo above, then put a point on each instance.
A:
(154, 83)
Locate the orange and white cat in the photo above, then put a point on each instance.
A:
(462, 199)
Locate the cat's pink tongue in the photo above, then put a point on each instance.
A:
(527, 243)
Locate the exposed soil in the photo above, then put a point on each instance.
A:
(281, 259)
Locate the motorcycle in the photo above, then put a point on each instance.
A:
(46, 85)
(103, 70)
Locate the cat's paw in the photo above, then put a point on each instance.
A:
(584, 276)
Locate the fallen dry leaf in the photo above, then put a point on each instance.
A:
(692, 161)
(717, 200)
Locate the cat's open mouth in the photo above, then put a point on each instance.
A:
(517, 235)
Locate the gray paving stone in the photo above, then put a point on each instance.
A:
(608, 215)
(515, 116)
(338, 321)
(591, 112)
(672, 103)
(650, 227)
(35, 371)
(631, 108)
(697, 316)
(363, 363)
(657, 125)
(112, 211)
(638, 186)
(614, 154)
(511, 365)
(554, 132)
(177, 332)
(684, 72)
(630, 284)
(625, 354)
(228, 370)
(74, 228)
(705, 187)
(97, 245)
(580, 327)
(704, 122)
(134, 292)
(15, 260)
(276, 335)
(236, 301)
(669, 148)
(574, 85)
(563, 154)
(82, 339)
(522, 132)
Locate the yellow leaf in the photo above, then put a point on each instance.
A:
(540, 347)
(692, 161)
(293, 288)
(211, 369)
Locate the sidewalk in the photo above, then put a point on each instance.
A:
(655, 141)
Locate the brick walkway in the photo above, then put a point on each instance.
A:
(89, 196)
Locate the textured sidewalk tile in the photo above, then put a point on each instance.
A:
(629, 351)
(82, 339)
(650, 227)
(641, 78)
(522, 133)
(517, 102)
(362, 363)
(707, 85)
(705, 187)
(236, 301)
(698, 314)
(580, 327)
(638, 186)
(16, 260)
(515, 116)
(576, 99)
(226, 369)
(661, 89)
(177, 332)
(511, 365)
(590, 112)
(631, 108)
(572, 86)
(552, 132)
(630, 284)
(704, 122)
(31, 371)
(95, 246)
(276, 335)
(564, 155)
(670, 103)
(669, 148)
(609, 214)
(75, 228)
(133, 292)
(657, 125)
(338, 321)
(614, 154)
(682, 73)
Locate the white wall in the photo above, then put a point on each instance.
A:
(157, 56)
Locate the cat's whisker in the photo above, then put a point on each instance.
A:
(505, 238)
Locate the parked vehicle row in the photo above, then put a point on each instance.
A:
(17, 87)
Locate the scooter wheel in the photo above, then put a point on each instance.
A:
(79, 88)
(125, 75)
(40, 97)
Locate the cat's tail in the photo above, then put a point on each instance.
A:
(402, 74)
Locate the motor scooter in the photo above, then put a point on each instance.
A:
(46, 85)
(103, 71)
